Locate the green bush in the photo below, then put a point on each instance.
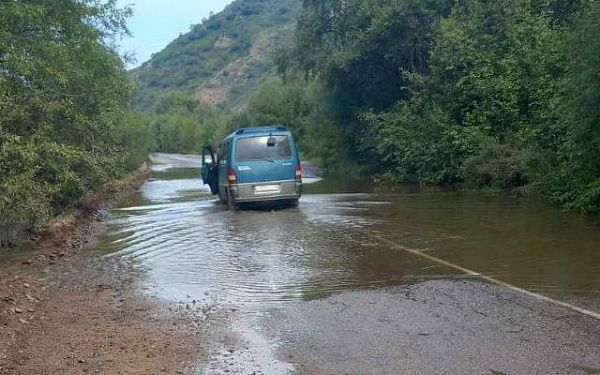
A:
(65, 97)
(498, 165)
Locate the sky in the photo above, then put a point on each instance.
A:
(155, 23)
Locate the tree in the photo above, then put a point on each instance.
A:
(363, 51)
(65, 96)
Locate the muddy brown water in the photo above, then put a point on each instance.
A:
(312, 281)
(191, 245)
(268, 267)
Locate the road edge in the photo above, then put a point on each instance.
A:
(59, 313)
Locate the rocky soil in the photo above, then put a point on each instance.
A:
(63, 311)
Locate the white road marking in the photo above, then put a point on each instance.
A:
(590, 313)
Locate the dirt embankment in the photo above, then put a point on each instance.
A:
(65, 312)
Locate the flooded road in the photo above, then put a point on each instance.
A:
(339, 285)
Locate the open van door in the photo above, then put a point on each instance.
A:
(210, 170)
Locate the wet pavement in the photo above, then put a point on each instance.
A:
(340, 284)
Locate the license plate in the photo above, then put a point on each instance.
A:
(264, 189)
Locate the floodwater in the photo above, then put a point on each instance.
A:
(190, 243)
(339, 239)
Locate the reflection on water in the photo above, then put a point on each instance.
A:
(193, 248)
(338, 186)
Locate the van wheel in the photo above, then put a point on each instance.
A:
(231, 205)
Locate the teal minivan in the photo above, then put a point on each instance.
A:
(256, 164)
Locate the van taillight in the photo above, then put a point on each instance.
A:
(299, 173)
(231, 177)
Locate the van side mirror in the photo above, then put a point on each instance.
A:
(271, 142)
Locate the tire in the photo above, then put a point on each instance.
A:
(231, 205)
(294, 202)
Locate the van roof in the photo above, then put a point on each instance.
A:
(258, 130)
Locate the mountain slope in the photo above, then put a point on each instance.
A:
(222, 58)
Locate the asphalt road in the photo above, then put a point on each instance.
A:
(356, 282)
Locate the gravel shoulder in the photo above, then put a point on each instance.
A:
(435, 327)
(63, 311)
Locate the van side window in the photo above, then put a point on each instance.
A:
(223, 153)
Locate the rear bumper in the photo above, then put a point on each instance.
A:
(246, 193)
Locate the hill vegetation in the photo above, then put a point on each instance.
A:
(492, 94)
(488, 94)
(222, 58)
(67, 125)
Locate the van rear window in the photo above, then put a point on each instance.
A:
(258, 148)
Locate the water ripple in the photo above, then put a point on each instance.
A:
(193, 248)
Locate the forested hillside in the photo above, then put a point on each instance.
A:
(66, 123)
(222, 58)
(490, 94)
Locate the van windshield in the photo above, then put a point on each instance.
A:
(259, 148)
